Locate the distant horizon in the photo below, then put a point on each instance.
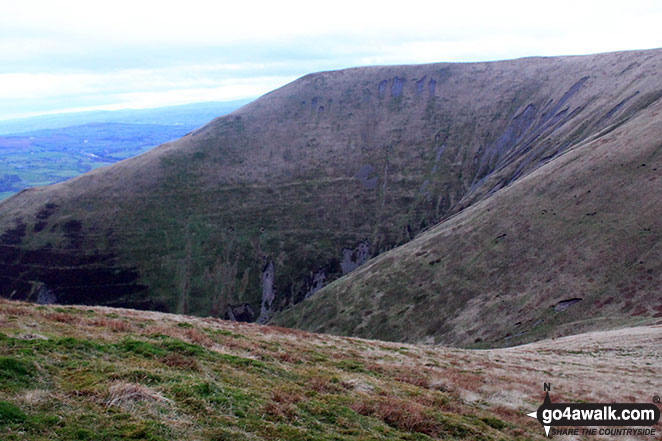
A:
(63, 112)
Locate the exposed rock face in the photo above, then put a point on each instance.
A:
(294, 182)
(565, 304)
(352, 258)
(316, 282)
(396, 86)
(268, 292)
(364, 176)
(45, 296)
(240, 313)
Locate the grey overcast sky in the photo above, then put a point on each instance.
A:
(77, 55)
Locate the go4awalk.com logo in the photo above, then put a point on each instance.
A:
(633, 419)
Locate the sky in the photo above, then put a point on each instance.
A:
(70, 55)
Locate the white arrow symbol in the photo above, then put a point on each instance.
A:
(535, 415)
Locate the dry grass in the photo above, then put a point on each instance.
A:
(114, 325)
(125, 394)
(36, 397)
(287, 357)
(63, 318)
(322, 385)
(405, 415)
(296, 380)
(196, 337)
(9, 310)
(175, 360)
(282, 404)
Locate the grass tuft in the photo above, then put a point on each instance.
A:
(124, 394)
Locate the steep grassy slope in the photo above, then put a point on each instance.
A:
(576, 245)
(101, 374)
(260, 208)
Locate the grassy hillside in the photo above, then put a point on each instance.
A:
(94, 373)
(259, 209)
(573, 246)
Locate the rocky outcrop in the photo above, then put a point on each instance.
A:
(268, 292)
(315, 283)
(45, 296)
(352, 258)
(240, 313)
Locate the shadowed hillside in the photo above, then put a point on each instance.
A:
(261, 208)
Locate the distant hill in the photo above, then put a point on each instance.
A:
(187, 115)
(540, 174)
(44, 156)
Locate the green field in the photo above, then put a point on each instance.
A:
(47, 156)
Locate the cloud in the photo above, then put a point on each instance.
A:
(23, 93)
(136, 51)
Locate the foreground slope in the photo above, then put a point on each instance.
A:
(105, 374)
(261, 208)
(575, 245)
